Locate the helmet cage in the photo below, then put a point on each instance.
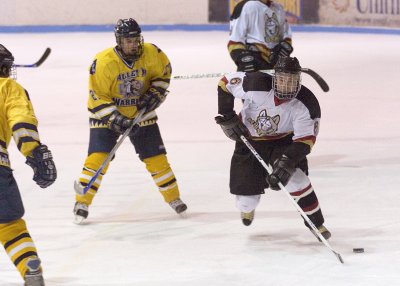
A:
(286, 84)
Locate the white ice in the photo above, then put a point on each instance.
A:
(133, 238)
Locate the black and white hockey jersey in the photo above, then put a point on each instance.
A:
(265, 116)
(257, 24)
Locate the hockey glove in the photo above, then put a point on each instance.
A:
(283, 169)
(152, 99)
(44, 169)
(232, 126)
(281, 50)
(246, 61)
(120, 123)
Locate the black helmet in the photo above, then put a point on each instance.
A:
(6, 62)
(287, 78)
(129, 28)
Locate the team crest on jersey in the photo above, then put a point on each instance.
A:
(264, 124)
(235, 80)
(272, 29)
(130, 87)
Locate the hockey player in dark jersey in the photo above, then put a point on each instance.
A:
(281, 118)
(124, 79)
(259, 35)
(17, 120)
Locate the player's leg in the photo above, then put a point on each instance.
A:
(150, 147)
(301, 189)
(102, 140)
(247, 181)
(14, 235)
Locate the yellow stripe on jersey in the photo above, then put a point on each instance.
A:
(235, 46)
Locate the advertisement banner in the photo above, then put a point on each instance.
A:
(297, 11)
(373, 13)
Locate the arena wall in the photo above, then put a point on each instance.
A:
(101, 15)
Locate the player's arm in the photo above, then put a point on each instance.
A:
(23, 123)
(240, 23)
(229, 121)
(159, 83)
(306, 117)
(100, 102)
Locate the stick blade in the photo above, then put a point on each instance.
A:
(39, 62)
(339, 257)
(321, 82)
(44, 57)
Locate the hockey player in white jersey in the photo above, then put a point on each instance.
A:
(281, 118)
(259, 35)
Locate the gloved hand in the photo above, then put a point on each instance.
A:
(283, 50)
(152, 98)
(246, 61)
(283, 169)
(118, 122)
(44, 169)
(232, 126)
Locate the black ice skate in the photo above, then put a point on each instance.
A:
(81, 212)
(247, 218)
(324, 231)
(178, 206)
(33, 277)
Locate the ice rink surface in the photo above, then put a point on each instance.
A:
(133, 238)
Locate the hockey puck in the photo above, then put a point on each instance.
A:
(358, 250)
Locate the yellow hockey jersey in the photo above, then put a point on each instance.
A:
(17, 119)
(115, 84)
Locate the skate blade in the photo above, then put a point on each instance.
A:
(78, 219)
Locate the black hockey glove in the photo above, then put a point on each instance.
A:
(152, 99)
(120, 123)
(232, 126)
(44, 169)
(246, 61)
(281, 50)
(283, 169)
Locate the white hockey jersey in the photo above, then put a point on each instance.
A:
(256, 23)
(265, 116)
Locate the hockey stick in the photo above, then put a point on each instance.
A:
(39, 62)
(321, 82)
(79, 189)
(310, 223)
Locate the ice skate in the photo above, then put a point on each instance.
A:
(33, 277)
(247, 218)
(178, 206)
(324, 231)
(81, 212)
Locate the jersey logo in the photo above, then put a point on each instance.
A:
(93, 67)
(130, 87)
(264, 124)
(235, 80)
(272, 30)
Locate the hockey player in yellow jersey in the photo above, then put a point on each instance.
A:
(17, 119)
(124, 79)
